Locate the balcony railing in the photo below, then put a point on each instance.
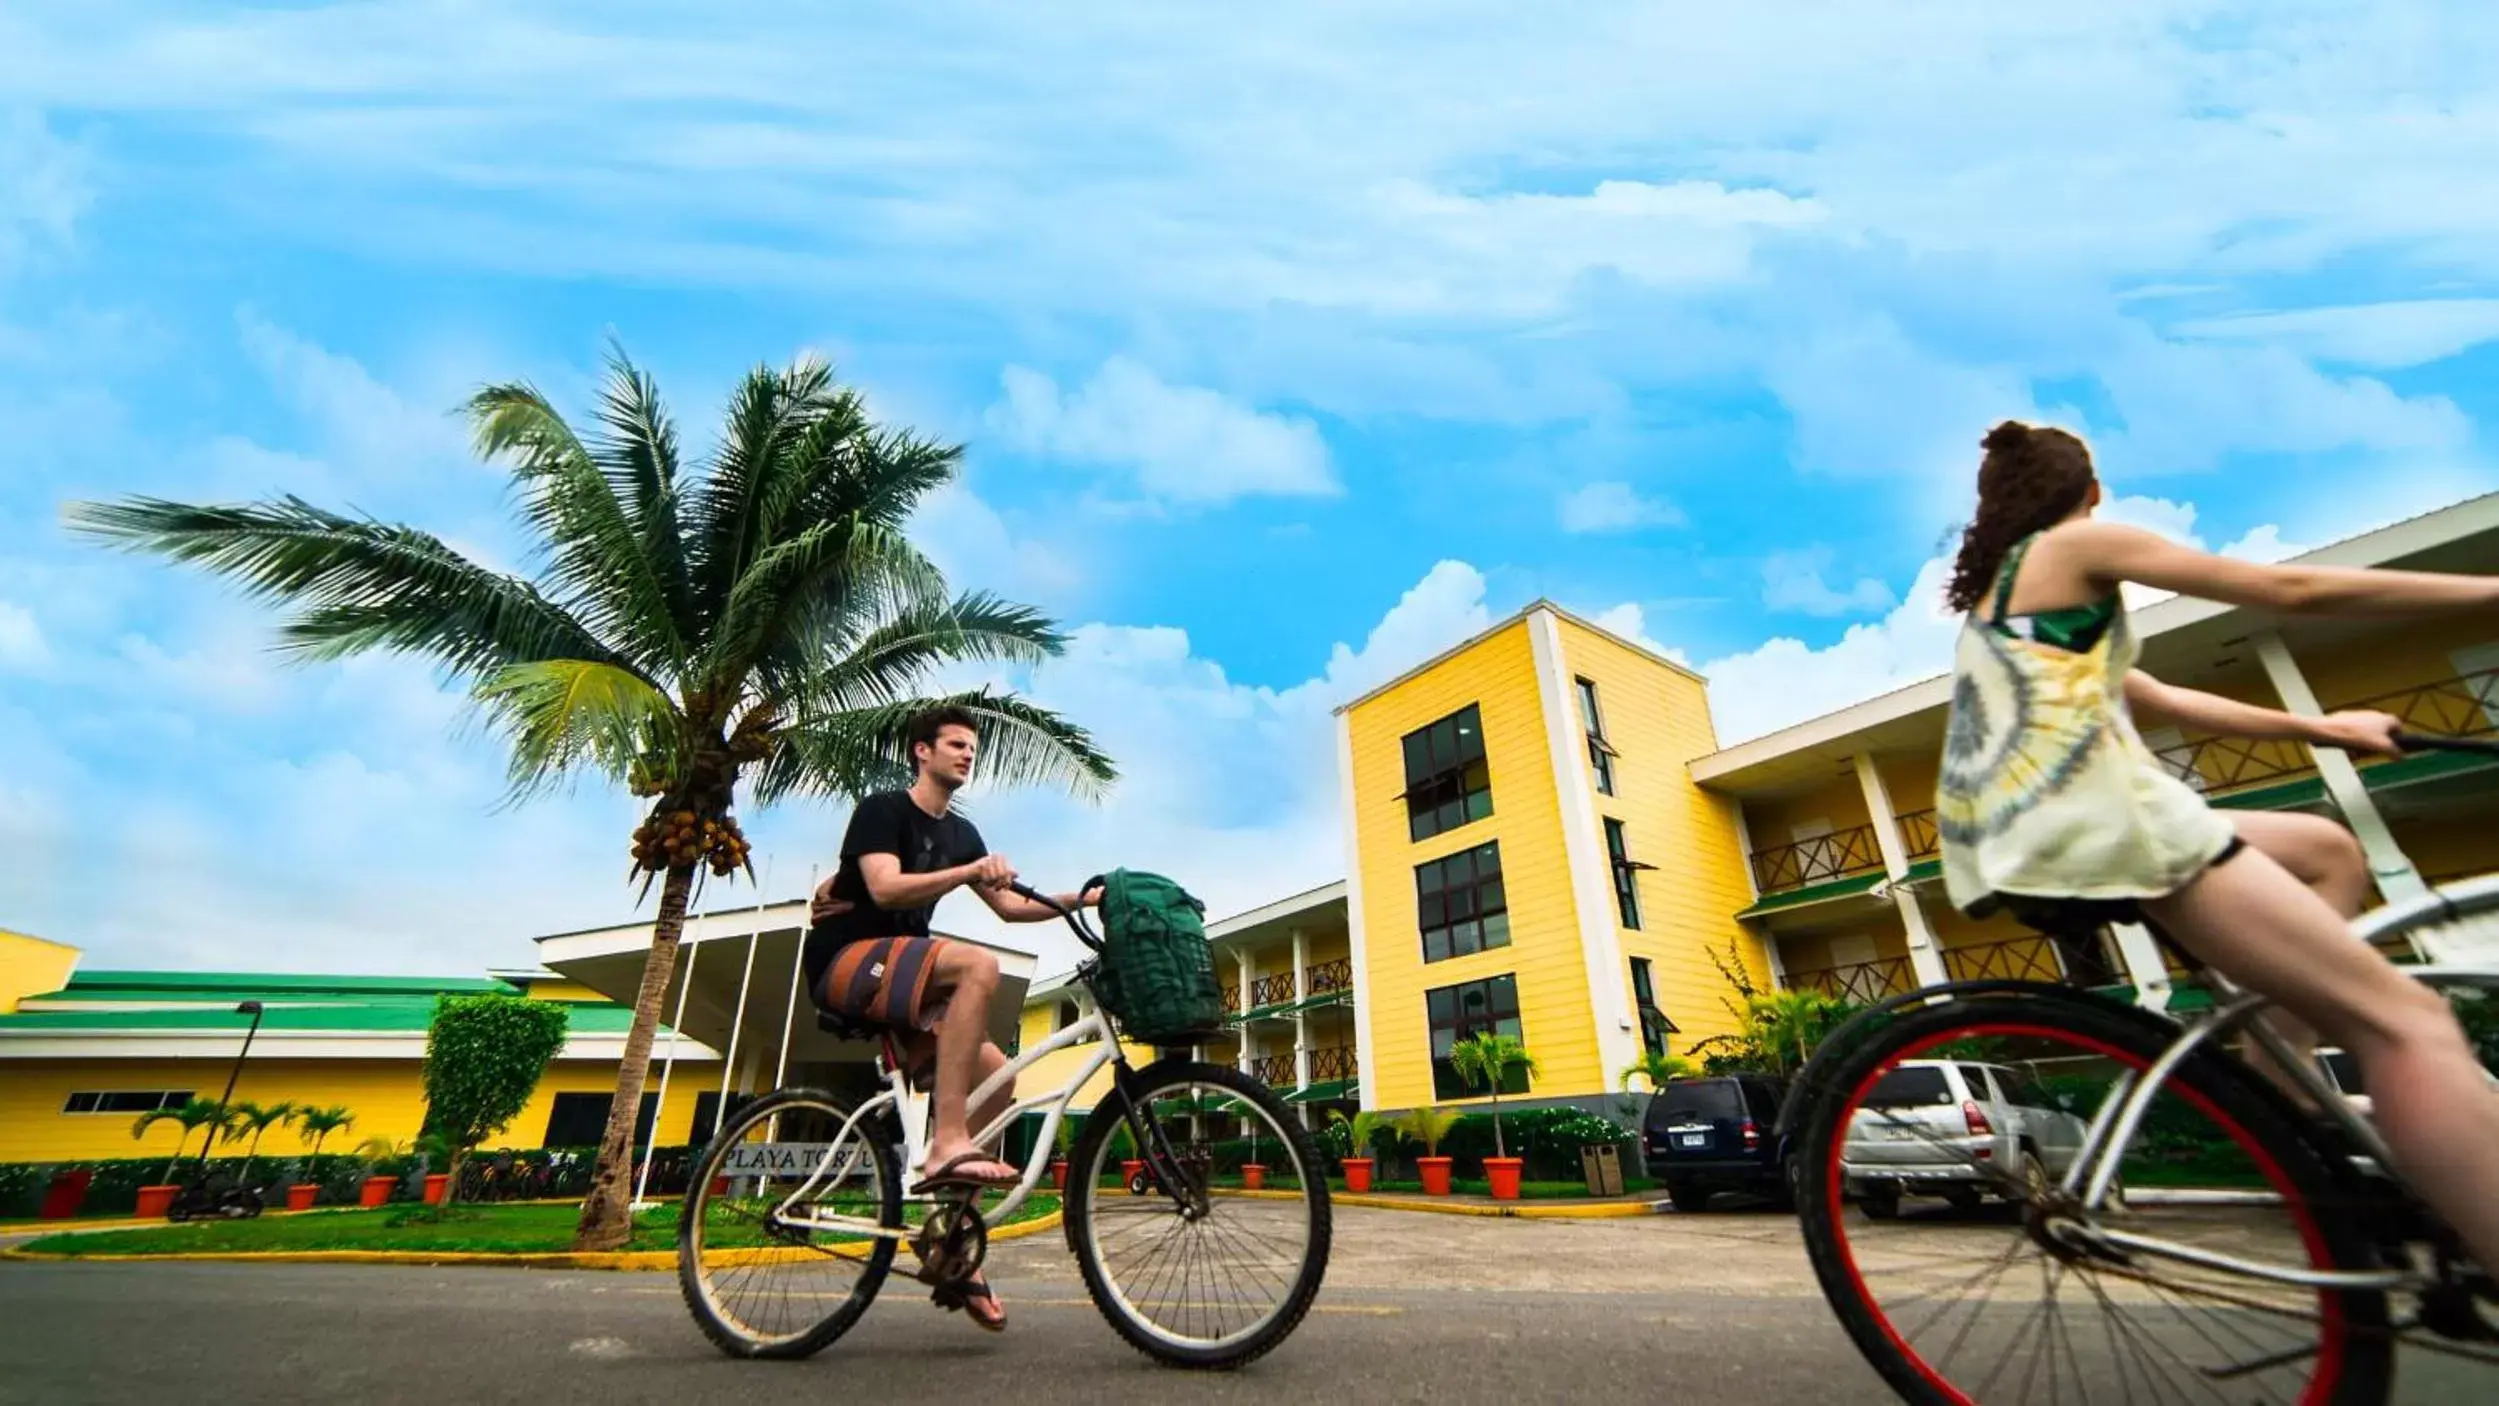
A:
(1232, 998)
(1328, 978)
(2462, 706)
(1333, 1062)
(2459, 707)
(2219, 765)
(1917, 834)
(1841, 854)
(2015, 959)
(1274, 1070)
(1861, 982)
(1271, 990)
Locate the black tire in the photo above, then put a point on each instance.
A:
(691, 1283)
(1084, 1190)
(1687, 1197)
(1878, 1202)
(2366, 1352)
(1964, 1201)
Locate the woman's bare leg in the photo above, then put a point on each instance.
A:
(2328, 859)
(2256, 922)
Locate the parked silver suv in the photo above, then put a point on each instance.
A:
(1955, 1129)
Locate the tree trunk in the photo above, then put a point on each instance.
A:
(1499, 1147)
(607, 1212)
(451, 1188)
(170, 1162)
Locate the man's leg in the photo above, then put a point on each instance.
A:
(921, 1050)
(970, 975)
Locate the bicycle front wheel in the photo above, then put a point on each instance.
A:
(1194, 1269)
(1970, 1269)
(777, 1250)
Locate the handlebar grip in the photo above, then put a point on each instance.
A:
(1023, 890)
(2436, 742)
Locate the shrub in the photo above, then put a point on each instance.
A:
(1547, 1140)
(484, 1056)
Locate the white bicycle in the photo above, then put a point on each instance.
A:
(796, 1208)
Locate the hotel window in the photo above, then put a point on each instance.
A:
(1467, 1009)
(123, 1101)
(1626, 870)
(1447, 782)
(1460, 903)
(1654, 1026)
(580, 1120)
(1601, 753)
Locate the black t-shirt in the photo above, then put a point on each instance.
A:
(890, 822)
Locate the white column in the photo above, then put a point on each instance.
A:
(1248, 969)
(1924, 958)
(1583, 850)
(1301, 1019)
(2396, 877)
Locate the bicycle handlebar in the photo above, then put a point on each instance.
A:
(1084, 934)
(2437, 742)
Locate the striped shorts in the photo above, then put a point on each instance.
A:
(885, 981)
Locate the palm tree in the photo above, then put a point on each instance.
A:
(249, 1117)
(197, 1114)
(319, 1123)
(1487, 1058)
(1657, 1068)
(760, 618)
(1427, 1125)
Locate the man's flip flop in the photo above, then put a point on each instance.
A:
(979, 1292)
(949, 1175)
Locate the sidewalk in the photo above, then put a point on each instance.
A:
(1630, 1203)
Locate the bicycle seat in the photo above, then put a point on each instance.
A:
(842, 1027)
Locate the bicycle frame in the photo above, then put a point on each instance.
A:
(911, 1108)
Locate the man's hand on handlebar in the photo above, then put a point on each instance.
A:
(990, 871)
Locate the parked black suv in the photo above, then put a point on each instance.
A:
(1704, 1136)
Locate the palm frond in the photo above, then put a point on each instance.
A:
(770, 416)
(840, 754)
(362, 584)
(892, 659)
(561, 715)
(847, 561)
(596, 552)
(637, 450)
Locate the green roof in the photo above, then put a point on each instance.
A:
(164, 986)
(401, 1015)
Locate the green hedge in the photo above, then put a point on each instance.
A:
(115, 1188)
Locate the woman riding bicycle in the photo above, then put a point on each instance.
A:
(2050, 806)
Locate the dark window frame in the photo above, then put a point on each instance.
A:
(1448, 779)
(564, 1113)
(124, 1101)
(1654, 1026)
(1626, 871)
(1462, 905)
(1601, 753)
(1446, 1008)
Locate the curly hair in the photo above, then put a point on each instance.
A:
(926, 724)
(2031, 478)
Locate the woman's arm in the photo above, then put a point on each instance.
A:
(2108, 553)
(2227, 717)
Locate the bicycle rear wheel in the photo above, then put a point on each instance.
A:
(1195, 1272)
(776, 1254)
(1991, 1100)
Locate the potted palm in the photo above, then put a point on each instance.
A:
(1361, 1130)
(1061, 1142)
(1657, 1071)
(438, 1150)
(257, 1119)
(317, 1124)
(192, 1116)
(1489, 1059)
(1253, 1171)
(380, 1152)
(1428, 1125)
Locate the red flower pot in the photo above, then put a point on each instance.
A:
(1502, 1172)
(720, 1186)
(1357, 1174)
(1058, 1174)
(300, 1198)
(1435, 1172)
(1253, 1176)
(156, 1200)
(375, 1190)
(1128, 1173)
(437, 1186)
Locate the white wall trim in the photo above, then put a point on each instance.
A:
(1366, 1060)
(281, 1045)
(1592, 892)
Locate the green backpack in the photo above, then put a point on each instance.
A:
(1157, 977)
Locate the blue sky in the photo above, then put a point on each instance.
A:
(1286, 346)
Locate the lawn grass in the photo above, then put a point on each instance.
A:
(535, 1229)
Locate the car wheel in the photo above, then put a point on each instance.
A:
(2036, 1183)
(1791, 1187)
(1880, 1203)
(1687, 1197)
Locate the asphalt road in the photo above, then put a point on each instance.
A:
(1717, 1308)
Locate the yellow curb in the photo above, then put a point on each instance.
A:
(1520, 1210)
(554, 1259)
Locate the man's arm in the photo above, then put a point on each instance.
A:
(892, 888)
(2227, 717)
(1016, 908)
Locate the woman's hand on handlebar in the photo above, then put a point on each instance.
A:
(2364, 731)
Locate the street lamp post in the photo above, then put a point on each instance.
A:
(252, 1009)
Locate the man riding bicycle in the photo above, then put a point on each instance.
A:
(871, 958)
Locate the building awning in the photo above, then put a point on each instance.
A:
(1322, 1092)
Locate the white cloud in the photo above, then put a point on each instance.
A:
(22, 645)
(969, 542)
(43, 188)
(355, 416)
(1792, 581)
(1182, 443)
(1630, 622)
(2387, 335)
(1614, 506)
